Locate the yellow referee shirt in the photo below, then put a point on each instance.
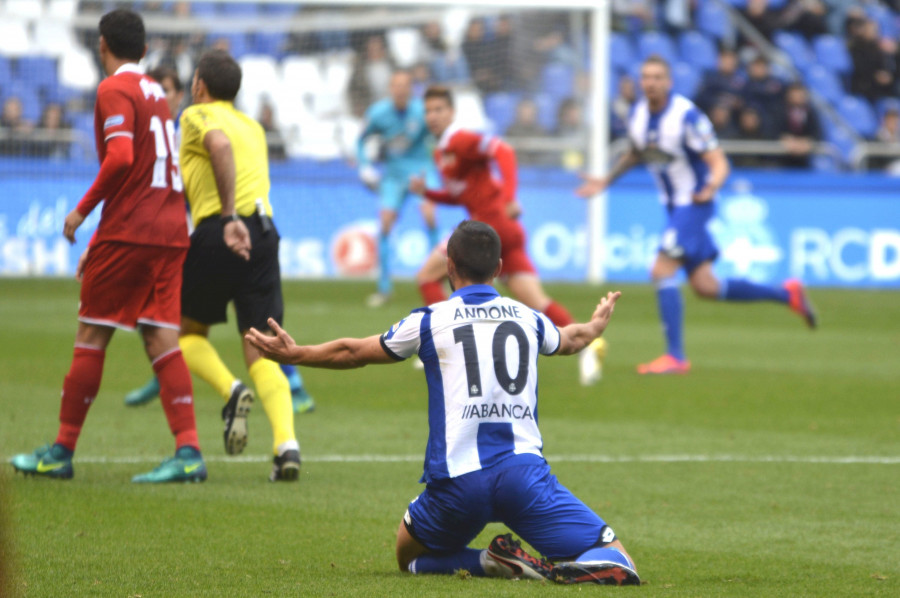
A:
(251, 160)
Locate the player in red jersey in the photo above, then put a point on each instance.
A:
(131, 274)
(464, 159)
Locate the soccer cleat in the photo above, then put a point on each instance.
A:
(144, 394)
(376, 300)
(186, 466)
(286, 467)
(234, 414)
(48, 461)
(590, 362)
(799, 302)
(303, 402)
(665, 365)
(607, 573)
(513, 562)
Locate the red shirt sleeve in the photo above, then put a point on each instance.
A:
(119, 155)
(505, 158)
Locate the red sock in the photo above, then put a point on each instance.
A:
(433, 292)
(176, 392)
(79, 391)
(558, 314)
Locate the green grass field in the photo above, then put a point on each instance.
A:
(773, 469)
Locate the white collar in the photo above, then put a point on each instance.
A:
(447, 134)
(130, 67)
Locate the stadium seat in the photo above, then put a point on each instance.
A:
(6, 75)
(886, 19)
(15, 36)
(30, 98)
(824, 82)
(240, 9)
(260, 76)
(621, 52)
(301, 78)
(547, 106)
(333, 40)
(29, 9)
(271, 43)
(795, 46)
(698, 50)
(40, 71)
(444, 68)
(204, 9)
(330, 98)
(281, 10)
(654, 42)
(500, 109)
(78, 70)
(882, 106)
(62, 9)
(237, 42)
(713, 20)
(831, 52)
(859, 114)
(685, 79)
(53, 37)
(558, 79)
(841, 139)
(403, 44)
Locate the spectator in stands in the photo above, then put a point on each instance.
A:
(621, 106)
(545, 38)
(633, 15)
(421, 78)
(806, 17)
(799, 128)
(51, 138)
(372, 73)
(523, 131)
(274, 139)
(763, 90)
(750, 127)
(763, 18)
(434, 51)
(479, 54)
(723, 85)
(874, 66)
(722, 118)
(571, 127)
(889, 130)
(14, 129)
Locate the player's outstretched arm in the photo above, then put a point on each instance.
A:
(340, 354)
(575, 337)
(591, 186)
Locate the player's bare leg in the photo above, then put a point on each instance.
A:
(387, 220)
(704, 281)
(274, 393)
(668, 295)
(431, 275)
(527, 288)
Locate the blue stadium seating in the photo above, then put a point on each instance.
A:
(795, 46)
(685, 79)
(713, 20)
(840, 138)
(882, 105)
(558, 79)
(859, 114)
(279, 9)
(204, 9)
(6, 75)
(698, 50)
(271, 43)
(887, 20)
(831, 52)
(621, 52)
(241, 9)
(40, 71)
(546, 108)
(654, 42)
(501, 109)
(824, 82)
(237, 42)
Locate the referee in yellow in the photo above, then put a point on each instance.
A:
(233, 255)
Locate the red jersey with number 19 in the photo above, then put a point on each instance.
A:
(146, 206)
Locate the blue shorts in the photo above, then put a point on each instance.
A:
(686, 237)
(394, 187)
(519, 492)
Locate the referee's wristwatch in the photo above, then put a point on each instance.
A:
(234, 217)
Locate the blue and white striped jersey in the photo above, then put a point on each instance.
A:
(670, 143)
(480, 353)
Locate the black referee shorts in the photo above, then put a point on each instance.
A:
(213, 276)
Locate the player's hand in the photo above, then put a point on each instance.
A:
(704, 195)
(277, 348)
(591, 186)
(604, 311)
(369, 176)
(82, 262)
(237, 238)
(514, 209)
(417, 185)
(71, 224)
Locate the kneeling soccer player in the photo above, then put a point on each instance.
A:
(483, 461)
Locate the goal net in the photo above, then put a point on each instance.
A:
(524, 70)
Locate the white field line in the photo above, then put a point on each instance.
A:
(683, 458)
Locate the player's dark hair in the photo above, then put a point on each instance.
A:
(221, 73)
(441, 92)
(124, 33)
(657, 59)
(161, 73)
(474, 248)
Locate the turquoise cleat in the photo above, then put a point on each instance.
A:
(186, 466)
(303, 402)
(144, 394)
(48, 461)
